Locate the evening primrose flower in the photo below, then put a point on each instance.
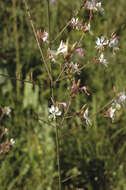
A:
(113, 42)
(121, 98)
(98, 7)
(54, 112)
(86, 27)
(101, 42)
(116, 105)
(112, 113)
(63, 48)
(119, 101)
(6, 110)
(45, 36)
(75, 23)
(92, 5)
(42, 36)
(102, 60)
(86, 117)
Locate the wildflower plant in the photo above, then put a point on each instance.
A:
(5, 142)
(61, 67)
(62, 57)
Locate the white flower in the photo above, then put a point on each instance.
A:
(101, 42)
(92, 5)
(88, 120)
(121, 98)
(75, 23)
(112, 113)
(12, 141)
(62, 48)
(98, 6)
(54, 112)
(116, 105)
(88, 27)
(6, 110)
(45, 36)
(102, 60)
(113, 42)
(6, 131)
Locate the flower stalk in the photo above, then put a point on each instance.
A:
(58, 156)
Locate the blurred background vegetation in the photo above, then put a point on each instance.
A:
(92, 158)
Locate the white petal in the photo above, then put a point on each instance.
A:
(58, 113)
(12, 141)
(97, 41)
(51, 116)
(102, 39)
(52, 108)
(86, 114)
(56, 109)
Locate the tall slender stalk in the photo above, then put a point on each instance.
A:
(38, 44)
(58, 156)
(49, 32)
(48, 4)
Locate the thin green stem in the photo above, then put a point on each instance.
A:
(58, 156)
(49, 32)
(35, 34)
(48, 4)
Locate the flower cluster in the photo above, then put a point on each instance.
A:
(5, 146)
(70, 67)
(119, 102)
(93, 5)
(101, 43)
(76, 24)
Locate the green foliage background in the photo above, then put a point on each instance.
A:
(95, 156)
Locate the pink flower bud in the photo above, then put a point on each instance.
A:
(64, 104)
(85, 90)
(75, 90)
